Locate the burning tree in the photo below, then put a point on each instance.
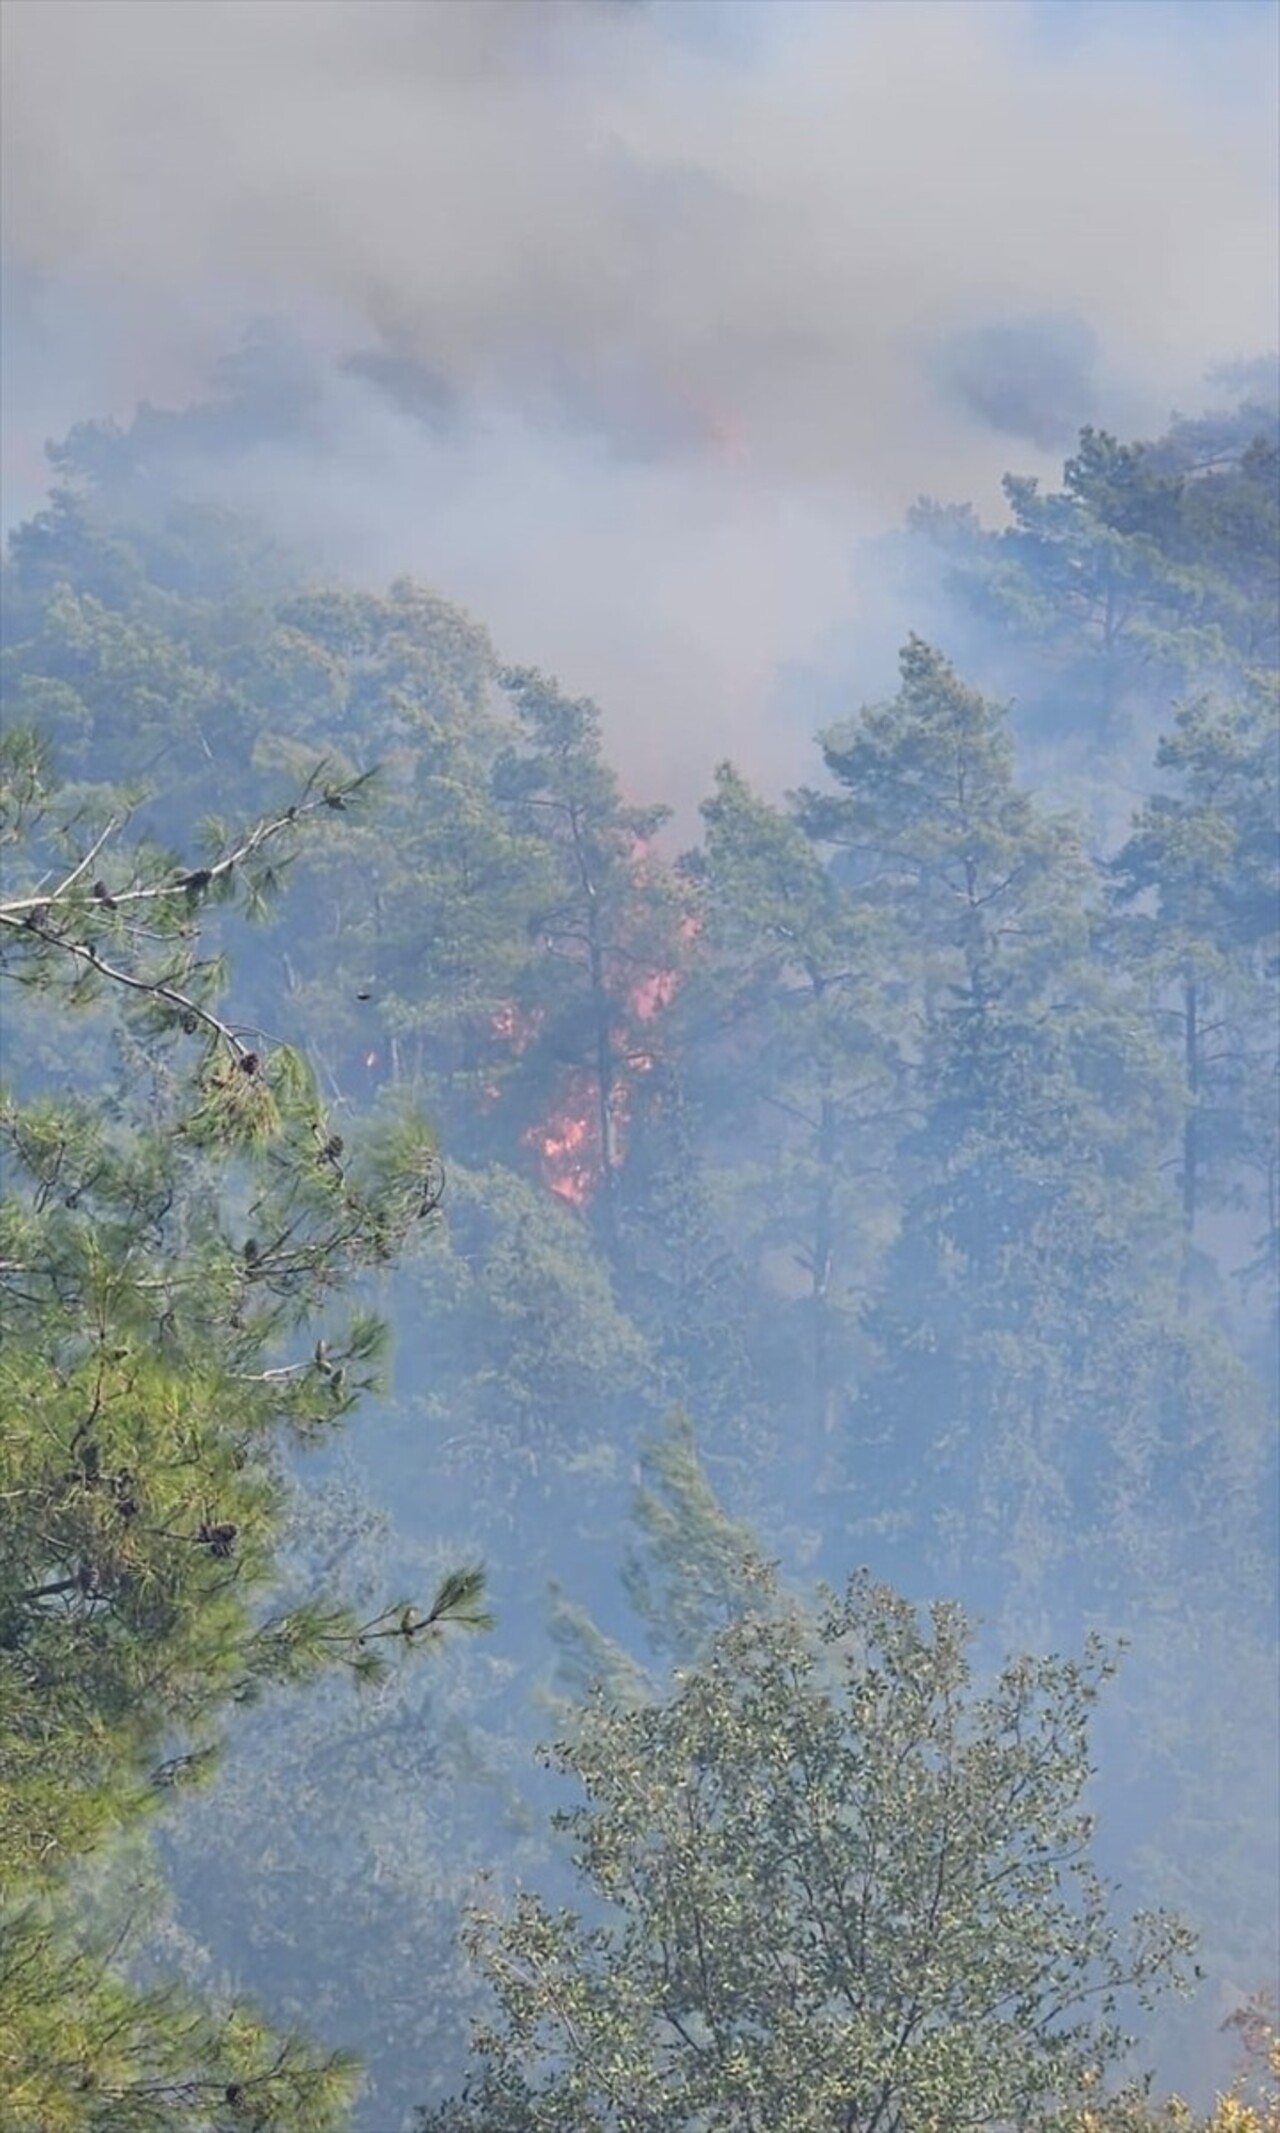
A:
(610, 932)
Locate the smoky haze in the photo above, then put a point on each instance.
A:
(637, 327)
(634, 318)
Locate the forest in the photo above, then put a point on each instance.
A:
(638, 1486)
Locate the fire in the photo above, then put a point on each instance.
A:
(569, 1165)
(649, 996)
(567, 1144)
(514, 1028)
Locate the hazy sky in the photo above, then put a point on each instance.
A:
(708, 288)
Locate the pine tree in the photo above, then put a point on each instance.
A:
(172, 1255)
(1021, 1312)
(792, 1045)
(608, 924)
(1200, 875)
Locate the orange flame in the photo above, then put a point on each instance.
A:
(568, 1144)
(515, 1028)
(649, 996)
(569, 1167)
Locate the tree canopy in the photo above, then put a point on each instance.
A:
(172, 1266)
(833, 1885)
(911, 1133)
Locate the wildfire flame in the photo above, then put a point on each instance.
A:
(514, 1028)
(567, 1143)
(568, 1149)
(649, 996)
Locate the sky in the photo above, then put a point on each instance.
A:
(630, 321)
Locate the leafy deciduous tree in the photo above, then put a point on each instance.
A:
(840, 1890)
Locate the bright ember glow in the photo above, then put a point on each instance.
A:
(514, 1028)
(567, 1143)
(651, 995)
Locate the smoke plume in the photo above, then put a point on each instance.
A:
(632, 317)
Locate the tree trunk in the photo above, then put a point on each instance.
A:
(606, 1078)
(1190, 1133)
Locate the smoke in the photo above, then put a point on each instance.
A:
(1032, 380)
(634, 318)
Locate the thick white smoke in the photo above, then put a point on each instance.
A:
(707, 289)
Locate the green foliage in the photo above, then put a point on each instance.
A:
(1200, 876)
(694, 1568)
(84, 2051)
(1150, 569)
(324, 1871)
(690, 1570)
(168, 1257)
(1019, 1310)
(922, 1154)
(790, 1009)
(608, 923)
(540, 1364)
(841, 1886)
